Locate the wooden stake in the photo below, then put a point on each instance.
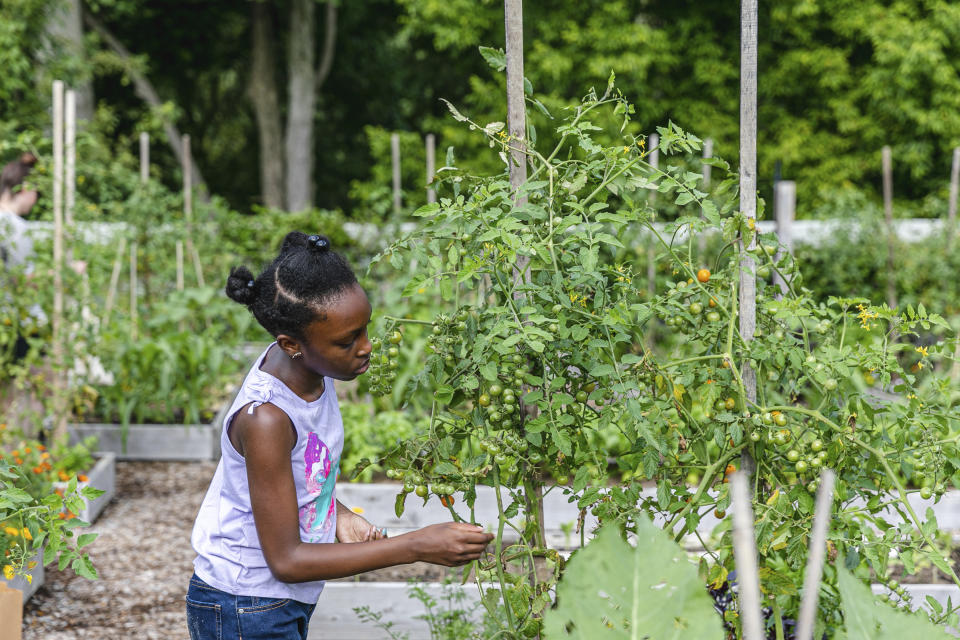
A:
(748, 192)
(187, 181)
(179, 265)
(144, 157)
(114, 283)
(431, 167)
(70, 144)
(745, 554)
(653, 144)
(707, 173)
(60, 415)
(952, 202)
(887, 160)
(785, 199)
(818, 545)
(133, 292)
(197, 267)
(395, 165)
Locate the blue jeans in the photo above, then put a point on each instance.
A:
(216, 615)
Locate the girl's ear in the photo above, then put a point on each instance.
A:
(288, 344)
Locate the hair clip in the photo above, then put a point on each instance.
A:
(250, 284)
(319, 242)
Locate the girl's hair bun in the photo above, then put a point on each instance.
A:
(28, 159)
(241, 286)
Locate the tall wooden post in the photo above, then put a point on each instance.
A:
(745, 554)
(887, 160)
(186, 159)
(70, 146)
(517, 132)
(653, 144)
(818, 549)
(707, 172)
(134, 316)
(431, 150)
(59, 399)
(952, 203)
(144, 157)
(748, 192)
(785, 199)
(395, 165)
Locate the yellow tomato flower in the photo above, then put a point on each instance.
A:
(8, 572)
(13, 532)
(357, 510)
(26, 534)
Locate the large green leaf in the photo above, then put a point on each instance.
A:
(612, 590)
(866, 619)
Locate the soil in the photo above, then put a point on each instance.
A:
(144, 559)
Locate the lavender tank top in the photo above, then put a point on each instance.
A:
(229, 556)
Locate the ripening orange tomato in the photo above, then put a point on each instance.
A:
(703, 275)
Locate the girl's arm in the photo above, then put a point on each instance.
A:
(265, 440)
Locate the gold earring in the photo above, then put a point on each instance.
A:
(296, 355)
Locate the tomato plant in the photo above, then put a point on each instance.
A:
(543, 346)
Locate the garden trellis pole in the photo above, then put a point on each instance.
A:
(887, 164)
(59, 397)
(395, 166)
(785, 205)
(745, 555)
(144, 157)
(70, 147)
(517, 158)
(952, 203)
(748, 192)
(133, 291)
(818, 545)
(431, 150)
(114, 283)
(653, 144)
(707, 170)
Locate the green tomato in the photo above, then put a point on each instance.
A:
(695, 308)
(495, 390)
(801, 466)
(422, 490)
(926, 493)
(780, 420)
(408, 487)
(483, 400)
(713, 316)
(396, 337)
(816, 445)
(830, 384)
(581, 396)
(793, 455)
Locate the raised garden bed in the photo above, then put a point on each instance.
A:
(152, 441)
(102, 476)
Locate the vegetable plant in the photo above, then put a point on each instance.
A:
(548, 338)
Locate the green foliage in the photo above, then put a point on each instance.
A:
(368, 434)
(528, 376)
(866, 619)
(611, 589)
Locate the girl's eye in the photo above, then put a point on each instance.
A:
(345, 345)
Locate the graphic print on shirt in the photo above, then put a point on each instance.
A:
(316, 518)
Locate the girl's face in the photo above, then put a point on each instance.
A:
(337, 346)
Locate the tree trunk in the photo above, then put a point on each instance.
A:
(266, 106)
(301, 89)
(65, 28)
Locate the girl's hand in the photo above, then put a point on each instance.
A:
(451, 544)
(351, 527)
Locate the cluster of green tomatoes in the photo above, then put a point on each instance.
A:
(384, 363)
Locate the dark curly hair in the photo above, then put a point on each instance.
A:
(292, 291)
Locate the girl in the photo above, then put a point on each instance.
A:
(265, 533)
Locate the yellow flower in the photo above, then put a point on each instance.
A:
(642, 142)
(11, 531)
(922, 351)
(26, 534)
(357, 510)
(8, 572)
(29, 578)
